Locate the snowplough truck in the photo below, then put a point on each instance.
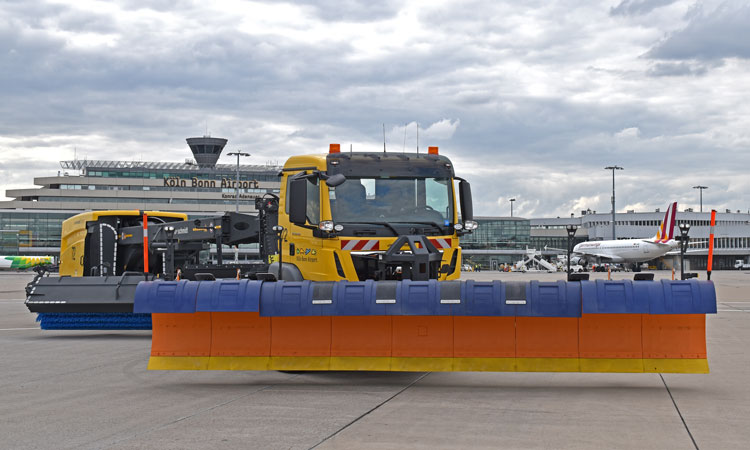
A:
(359, 270)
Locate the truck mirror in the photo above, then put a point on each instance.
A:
(464, 193)
(297, 198)
(335, 180)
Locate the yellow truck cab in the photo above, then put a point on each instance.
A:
(340, 215)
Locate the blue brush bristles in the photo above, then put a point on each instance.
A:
(94, 321)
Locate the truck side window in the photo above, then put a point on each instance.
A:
(313, 201)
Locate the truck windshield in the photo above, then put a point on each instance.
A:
(393, 200)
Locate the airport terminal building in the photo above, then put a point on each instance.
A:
(30, 223)
(731, 234)
(505, 240)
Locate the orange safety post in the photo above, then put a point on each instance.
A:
(238, 274)
(609, 272)
(672, 273)
(711, 245)
(145, 243)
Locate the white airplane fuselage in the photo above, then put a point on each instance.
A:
(625, 250)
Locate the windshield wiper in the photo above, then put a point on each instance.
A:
(434, 224)
(385, 224)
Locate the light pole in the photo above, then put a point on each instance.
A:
(511, 206)
(237, 181)
(613, 168)
(237, 198)
(701, 190)
(684, 229)
(571, 229)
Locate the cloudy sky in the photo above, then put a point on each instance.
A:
(530, 99)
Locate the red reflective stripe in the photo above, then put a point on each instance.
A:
(360, 244)
(440, 243)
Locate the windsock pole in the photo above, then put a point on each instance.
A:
(711, 245)
(145, 243)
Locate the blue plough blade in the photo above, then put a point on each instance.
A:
(94, 321)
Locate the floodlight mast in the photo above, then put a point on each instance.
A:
(613, 168)
(701, 191)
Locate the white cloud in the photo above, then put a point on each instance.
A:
(529, 100)
(628, 133)
(443, 129)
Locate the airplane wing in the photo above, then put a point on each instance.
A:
(688, 251)
(553, 249)
(605, 257)
(609, 258)
(657, 243)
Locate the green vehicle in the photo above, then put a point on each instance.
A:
(24, 262)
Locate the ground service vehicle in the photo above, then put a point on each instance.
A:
(349, 215)
(365, 274)
(355, 216)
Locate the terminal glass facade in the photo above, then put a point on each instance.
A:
(498, 241)
(25, 230)
(498, 233)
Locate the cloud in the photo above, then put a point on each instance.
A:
(710, 35)
(443, 129)
(637, 7)
(529, 101)
(681, 69)
(353, 10)
(628, 133)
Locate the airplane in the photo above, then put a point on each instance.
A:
(631, 250)
(24, 262)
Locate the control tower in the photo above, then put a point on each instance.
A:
(206, 149)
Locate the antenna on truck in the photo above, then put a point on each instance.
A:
(404, 149)
(417, 138)
(383, 137)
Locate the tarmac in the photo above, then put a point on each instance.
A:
(91, 390)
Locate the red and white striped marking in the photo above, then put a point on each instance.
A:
(374, 244)
(360, 244)
(441, 243)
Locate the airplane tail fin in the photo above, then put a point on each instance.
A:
(666, 229)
